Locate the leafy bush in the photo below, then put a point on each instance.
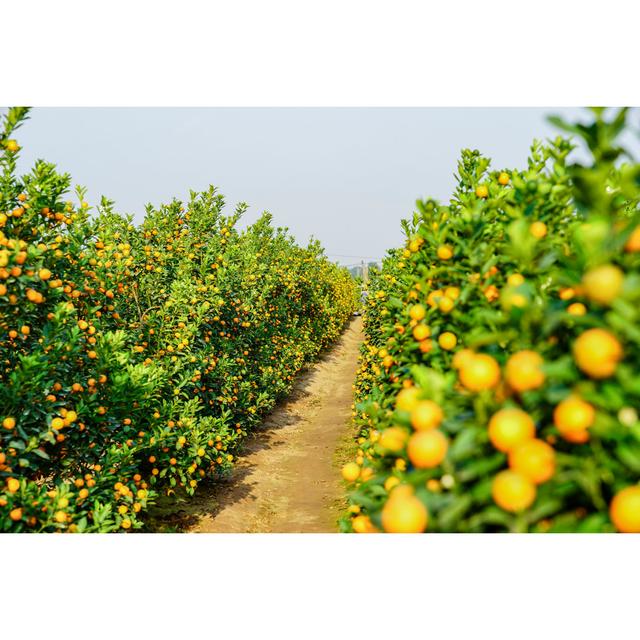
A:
(135, 358)
(499, 380)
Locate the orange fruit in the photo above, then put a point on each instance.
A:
(503, 179)
(407, 399)
(417, 312)
(512, 491)
(445, 253)
(603, 284)
(577, 309)
(421, 331)
(426, 414)
(538, 229)
(461, 357)
(534, 459)
(13, 485)
(479, 372)
(523, 371)
(625, 510)
(9, 423)
(363, 524)
(515, 280)
(16, 514)
(393, 439)
(446, 304)
(447, 340)
(351, 472)
(427, 449)
(44, 274)
(597, 353)
(482, 191)
(404, 514)
(510, 427)
(633, 242)
(573, 416)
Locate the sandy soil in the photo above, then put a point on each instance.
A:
(288, 477)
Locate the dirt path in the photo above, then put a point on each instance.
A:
(288, 477)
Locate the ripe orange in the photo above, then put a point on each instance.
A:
(510, 427)
(572, 417)
(9, 423)
(512, 491)
(393, 439)
(421, 331)
(351, 472)
(16, 514)
(538, 229)
(479, 372)
(445, 253)
(13, 485)
(597, 352)
(534, 459)
(503, 179)
(523, 371)
(447, 340)
(461, 357)
(417, 312)
(44, 274)
(363, 524)
(633, 242)
(407, 399)
(603, 284)
(426, 414)
(577, 309)
(625, 510)
(427, 449)
(404, 514)
(446, 304)
(482, 191)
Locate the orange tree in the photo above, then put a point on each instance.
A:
(133, 359)
(499, 383)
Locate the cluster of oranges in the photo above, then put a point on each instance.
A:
(133, 359)
(498, 384)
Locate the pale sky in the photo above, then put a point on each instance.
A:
(346, 175)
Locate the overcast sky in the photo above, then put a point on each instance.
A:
(345, 176)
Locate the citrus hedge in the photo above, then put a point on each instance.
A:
(499, 382)
(133, 359)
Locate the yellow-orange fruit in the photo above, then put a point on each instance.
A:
(597, 353)
(404, 514)
(479, 372)
(513, 492)
(603, 284)
(625, 510)
(421, 332)
(393, 439)
(534, 459)
(538, 229)
(524, 371)
(510, 427)
(427, 414)
(447, 340)
(351, 472)
(573, 416)
(427, 449)
(407, 399)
